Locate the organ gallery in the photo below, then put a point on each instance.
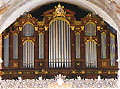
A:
(59, 44)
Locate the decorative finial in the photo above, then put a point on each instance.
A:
(59, 5)
(59, 11)
(90, 15)
(28, 15)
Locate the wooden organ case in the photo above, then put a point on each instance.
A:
(59, 45)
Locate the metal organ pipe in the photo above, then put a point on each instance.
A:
(69, 46)
(51, 46)
(91, 54)
(56, 51)
(15, 46)
(59, 44)
(64, 44)
(67, 60)
(77, 45)
(32, 53)
(41, 46)
(6, 51)
(54, 54)
(28, 55)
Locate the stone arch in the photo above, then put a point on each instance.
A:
(22, 6)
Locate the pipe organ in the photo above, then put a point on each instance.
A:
(59, 44)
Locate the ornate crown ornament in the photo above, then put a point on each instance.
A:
(59, 11)
(90, 15)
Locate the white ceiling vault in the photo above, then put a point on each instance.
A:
(109, 10)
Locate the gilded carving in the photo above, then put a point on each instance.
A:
(59, 11)
(20, 28)
(77, 22)
(78, 64)
(95, 39)
(90, 40)
(41, 23)
(90, 15)
(59, 18)
(102, 23)
(85, 39)
(28, 41)
(6, 36)
(104, 64)
(116, 72)
(28, 22)
(36, 72)
(99, 72)
(112, 35)
(109, 72)
(36, 28)
(33, 21)
(45, 72)
(49, 18)
(10, 72)
(82, 28)
(22, 22)
(19, 72)
(72, 27)
(82, 72)
(95, 21)
(46, 28)
(15, 65)
(3, 72)
(98, 27)
(69, 18)
(16, 24)
(98, 44)
(77, 28)
(41, 64)
(74, 71)
(28, 15)
(17, 29)
(41, 28)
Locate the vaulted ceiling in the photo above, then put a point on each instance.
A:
(10, 10)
